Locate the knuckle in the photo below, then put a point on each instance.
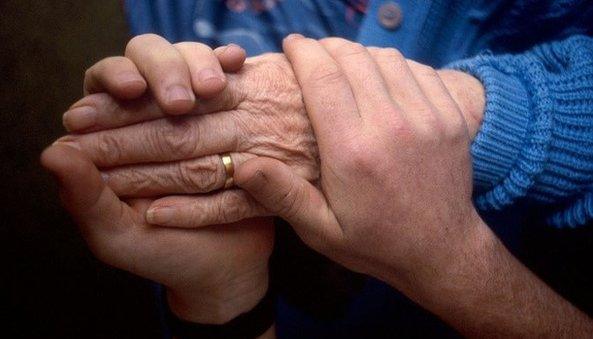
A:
(232, 207)
(390, 59)
(132, 182)
(290, 201)
(140, 41)
(109, 147)
(169, 68)
(177, 137)
(350, 50)
(200, 176)
(399, 128)
(188, 46)
(195, 214)
(184, 45)
(387, 109)
(364, 162)
(426, 72)
(326, 74)
(111, 62)
(432, 131)
(390, 55)
(333, 44)
(332, 41)
(363, 157)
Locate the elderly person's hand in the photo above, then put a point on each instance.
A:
(260, 113)
(394, 199)
(211, 274)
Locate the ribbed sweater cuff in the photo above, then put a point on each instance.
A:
(502, 135)
(536, 141)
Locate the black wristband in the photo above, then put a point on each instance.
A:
(248, 325)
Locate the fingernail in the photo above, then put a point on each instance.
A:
(159, 215)
(68, 143)
(79, 118)
(208, 74)
(179, 93)
(230, 47)
(294, 36)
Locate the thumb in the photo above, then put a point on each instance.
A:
(274, 185)
(90, 202)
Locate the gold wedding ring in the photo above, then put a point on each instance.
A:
(229, 168)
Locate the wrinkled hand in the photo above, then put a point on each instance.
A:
(211, 274)
(395, 196)
(260, 114)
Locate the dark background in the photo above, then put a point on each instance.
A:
(51, 286)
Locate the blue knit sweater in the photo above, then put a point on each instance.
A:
(534, 57)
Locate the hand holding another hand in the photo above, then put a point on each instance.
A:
(383, 186)
(394, 199)
(395, 185)
(211, 274)
(260, 113)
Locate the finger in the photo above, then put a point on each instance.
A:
(117, 76)
(160, 140)
(437, 94)
(203, 210)
(287, 195)
(328, 97)
(165, 70)
(101, 111)
(201, 175)
(402, 85)
(103, 219)
(207, 77)
(368, 86)
(231, 57)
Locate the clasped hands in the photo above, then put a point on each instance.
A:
(364, 153)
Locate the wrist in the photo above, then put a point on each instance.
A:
(459, 282)
(469, 94)
(445, 278)
(219, 303)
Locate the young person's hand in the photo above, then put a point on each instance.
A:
(171, 75)
(259, 113)
(394, 199)
(140, 154)
(212, 274)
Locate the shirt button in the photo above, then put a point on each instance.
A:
(390, 15)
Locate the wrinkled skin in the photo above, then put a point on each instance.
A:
(211, 274)
(204, 263)
(261, 115)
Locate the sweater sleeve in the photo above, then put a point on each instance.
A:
(536, 139)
